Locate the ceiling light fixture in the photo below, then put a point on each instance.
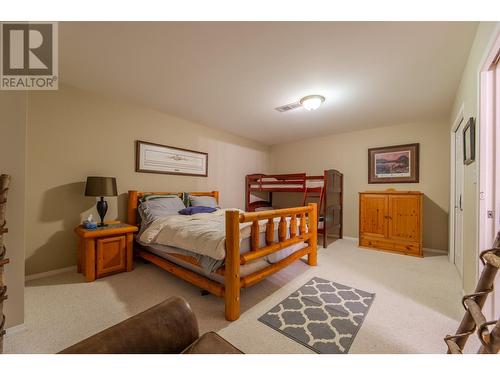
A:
(312, 102)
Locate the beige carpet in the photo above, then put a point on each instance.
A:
(417, 303)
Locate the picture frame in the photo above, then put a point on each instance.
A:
(394, 164)
(469, 140)
(157, 158)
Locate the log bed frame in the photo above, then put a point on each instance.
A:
(306, 217)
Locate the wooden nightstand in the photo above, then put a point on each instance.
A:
(104, 251)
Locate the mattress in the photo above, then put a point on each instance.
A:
(245, 269)
(210, 265)
(309, 184)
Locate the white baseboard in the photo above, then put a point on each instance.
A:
(41, 275)
(350, 238)
(436, 251)
(15, 330)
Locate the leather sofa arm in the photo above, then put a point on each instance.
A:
(168, 327)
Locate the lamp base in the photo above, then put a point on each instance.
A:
(102, 208)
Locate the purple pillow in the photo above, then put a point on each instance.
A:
(196, 210)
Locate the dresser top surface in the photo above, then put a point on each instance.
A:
(392, 191)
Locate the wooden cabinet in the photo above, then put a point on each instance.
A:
(105, 251)
(391, 220)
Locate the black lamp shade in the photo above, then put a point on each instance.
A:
(101, 187)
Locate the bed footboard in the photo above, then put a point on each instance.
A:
(303, 228)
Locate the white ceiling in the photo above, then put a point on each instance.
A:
(232, 75)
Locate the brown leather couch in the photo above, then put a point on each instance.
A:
(167, 328)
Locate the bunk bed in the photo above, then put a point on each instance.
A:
(326, 190)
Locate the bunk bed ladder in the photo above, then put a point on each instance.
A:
(310, 193)
(474, 320)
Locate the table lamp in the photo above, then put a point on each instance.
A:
(101, 187)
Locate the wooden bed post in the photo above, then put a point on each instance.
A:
(312, 257)
(232, 266)
(247, 194)
(132, 207)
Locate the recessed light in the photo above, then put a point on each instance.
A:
(312, 102)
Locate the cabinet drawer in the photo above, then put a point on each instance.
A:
(408, 248)
(376, 243)
(111, 255)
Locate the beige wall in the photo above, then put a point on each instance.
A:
(12, 162)
(467, 96)
(347, 152)
(73, 134)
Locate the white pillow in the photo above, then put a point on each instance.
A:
(154, 209)
(203, 200)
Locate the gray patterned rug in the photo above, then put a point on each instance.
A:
(321, 315)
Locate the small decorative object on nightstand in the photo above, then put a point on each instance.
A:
(105, 250)
(101, 187)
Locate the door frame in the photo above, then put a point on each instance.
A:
(456, 124)
(488, 197)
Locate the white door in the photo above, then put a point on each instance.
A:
(459, 198)
(495, 309)
(489, 181)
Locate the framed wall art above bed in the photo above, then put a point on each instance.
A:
(157, 158)
(393, 164)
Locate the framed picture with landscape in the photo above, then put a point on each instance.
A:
(393, 164)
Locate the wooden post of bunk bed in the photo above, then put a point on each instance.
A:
(312, 257)
(232, 266)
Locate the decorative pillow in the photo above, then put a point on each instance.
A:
(157, 208)
(203, 200)
(197, 210)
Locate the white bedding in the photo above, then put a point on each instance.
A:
(310, 184)
(202, 234)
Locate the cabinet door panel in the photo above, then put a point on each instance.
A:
(404, 218)
(373, 212)
(111, 255)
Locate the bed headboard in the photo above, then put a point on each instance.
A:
(134, 196)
